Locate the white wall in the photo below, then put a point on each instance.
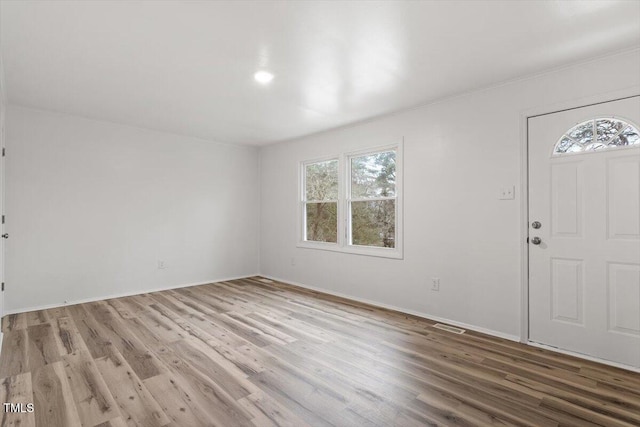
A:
(458, 153)
(92, 207)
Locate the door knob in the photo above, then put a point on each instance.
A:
(536, 240)
(5, 236)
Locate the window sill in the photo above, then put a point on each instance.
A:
(354, 250)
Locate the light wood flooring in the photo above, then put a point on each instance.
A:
(246, 353)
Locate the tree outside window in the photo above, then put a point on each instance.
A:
(321, 201)
(373, 199)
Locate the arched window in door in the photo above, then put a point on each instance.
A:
(602, 133)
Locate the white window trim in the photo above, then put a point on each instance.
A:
(344, 226)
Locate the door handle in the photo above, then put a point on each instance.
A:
(5, 236)
(536, 240)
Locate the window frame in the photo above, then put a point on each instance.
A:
(344, 237)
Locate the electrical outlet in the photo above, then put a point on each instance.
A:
(162, 265)
(435, 284)
(507, 193)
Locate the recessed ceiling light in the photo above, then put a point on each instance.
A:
(263, 77)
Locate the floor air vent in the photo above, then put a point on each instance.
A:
(448, 328)
(265, 280)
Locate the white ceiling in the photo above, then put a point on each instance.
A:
(187, 67)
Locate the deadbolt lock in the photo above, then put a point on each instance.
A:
(536, 224)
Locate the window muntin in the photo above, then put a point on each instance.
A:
(320, 201)
(597, 134)
(372, 199)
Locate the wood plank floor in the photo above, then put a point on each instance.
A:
(246, 353)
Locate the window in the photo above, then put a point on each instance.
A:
(321, 201)
(372, 199)
(597, 134)
(352, 203)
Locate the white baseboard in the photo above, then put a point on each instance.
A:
(584, 356)
(124, 294)
(403, 310)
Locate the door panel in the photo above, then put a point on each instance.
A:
(624, 315)
(566, 199)
(584, 281)
(567, 283)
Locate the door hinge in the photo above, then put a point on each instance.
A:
(3, 219)
(2, 286)
(3, 151)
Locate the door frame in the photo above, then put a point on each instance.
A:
(3, 180)
(525, 115)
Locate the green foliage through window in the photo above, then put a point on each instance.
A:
(373, 175)
(373, 205)
(322, 222)
(321, 206)
(373, 223)
(321, 181)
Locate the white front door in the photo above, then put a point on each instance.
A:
(584, 255)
